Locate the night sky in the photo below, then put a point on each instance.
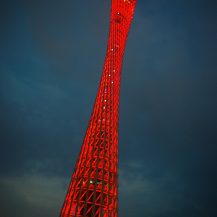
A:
(51, 58)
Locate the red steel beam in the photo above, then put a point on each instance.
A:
(93, 190)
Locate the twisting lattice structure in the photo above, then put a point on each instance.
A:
(93, 190)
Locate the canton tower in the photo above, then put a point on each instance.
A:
(93, 190)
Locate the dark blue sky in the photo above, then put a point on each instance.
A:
(51, 58)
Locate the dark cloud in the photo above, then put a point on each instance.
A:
(51, 57)
(31, 196)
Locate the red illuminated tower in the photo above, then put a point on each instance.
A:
(93, 190)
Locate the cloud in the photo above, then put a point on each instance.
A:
(156, 196)
(31, 195)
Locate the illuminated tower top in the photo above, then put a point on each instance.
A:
(93, 190)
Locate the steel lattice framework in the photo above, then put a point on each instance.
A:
(93, 190)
